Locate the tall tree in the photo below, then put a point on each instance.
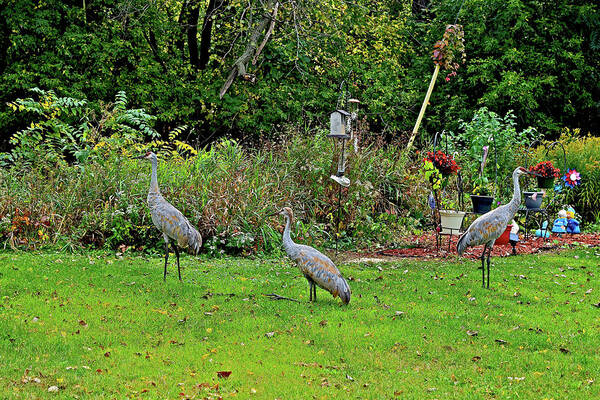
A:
(192, 33)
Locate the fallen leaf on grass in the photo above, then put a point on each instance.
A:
(223, 374)
(349, 378)
(476, 358)
(564, 350)
(501, 341)
(270, 334)
(53, 389)
(472, 333)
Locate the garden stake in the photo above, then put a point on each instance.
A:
(423, 107)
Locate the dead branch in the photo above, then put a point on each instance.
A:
(267, 35)
(239, 66)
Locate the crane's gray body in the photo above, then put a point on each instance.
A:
(490, 226)
(316, 267)
(169, 220)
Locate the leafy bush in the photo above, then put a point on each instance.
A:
(506, 148)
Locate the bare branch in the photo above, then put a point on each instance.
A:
(267, 35)
(239, 67)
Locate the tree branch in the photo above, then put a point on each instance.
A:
(239, 66)
(151, 39)
(267, 35)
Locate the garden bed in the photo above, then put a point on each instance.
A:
(424, 246)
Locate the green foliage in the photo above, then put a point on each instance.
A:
(432, 174)
(64, 128)
(534, 57)
(61, 129)
(506, 145)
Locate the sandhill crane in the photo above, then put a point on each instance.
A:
(317, 268)
(488, 227)
(169, 220)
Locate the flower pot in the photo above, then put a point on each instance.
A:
(530, 203)
(451, 221)
(545, 183)
(504, 238)
(481, 204)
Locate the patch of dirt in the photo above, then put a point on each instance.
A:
(424, 246)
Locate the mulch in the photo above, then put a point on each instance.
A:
(424, 246)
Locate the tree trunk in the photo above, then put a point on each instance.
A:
(206, 35)
(179, 41)
(192, 35)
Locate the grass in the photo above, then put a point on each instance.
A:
(98, 326)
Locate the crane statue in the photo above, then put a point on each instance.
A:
(488, 227)
(169, 220)
(316, 267)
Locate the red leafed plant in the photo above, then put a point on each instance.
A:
(546, 169)
(443, 162)
(449, 52)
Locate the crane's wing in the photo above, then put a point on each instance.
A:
(176, 226)
(485, 229)
(320, 269)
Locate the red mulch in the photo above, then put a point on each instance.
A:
(424, 246)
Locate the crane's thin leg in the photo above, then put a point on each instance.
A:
(483, 265)
(488, 265)
(310, 291)
(166, 259)
(314, 286)
(177, 254)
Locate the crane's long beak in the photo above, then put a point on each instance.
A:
(140, 157)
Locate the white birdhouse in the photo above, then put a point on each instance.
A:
(339, 126)
(338, 122)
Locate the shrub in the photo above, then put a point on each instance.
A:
(505, 143)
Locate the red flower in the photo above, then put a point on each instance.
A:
(546, 169)
(443, 162)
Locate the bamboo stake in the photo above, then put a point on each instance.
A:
(423, 107)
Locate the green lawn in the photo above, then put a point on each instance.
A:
(98, 326)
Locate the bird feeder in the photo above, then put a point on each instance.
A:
(339, 125)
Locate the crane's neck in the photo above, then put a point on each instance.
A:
(287, 240)
(153, 177)
(516, 199)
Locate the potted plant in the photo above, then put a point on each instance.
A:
(505, 237)
(450, 219)
(442, 162)
(546, 173)
(481, 196)
(533, 200)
